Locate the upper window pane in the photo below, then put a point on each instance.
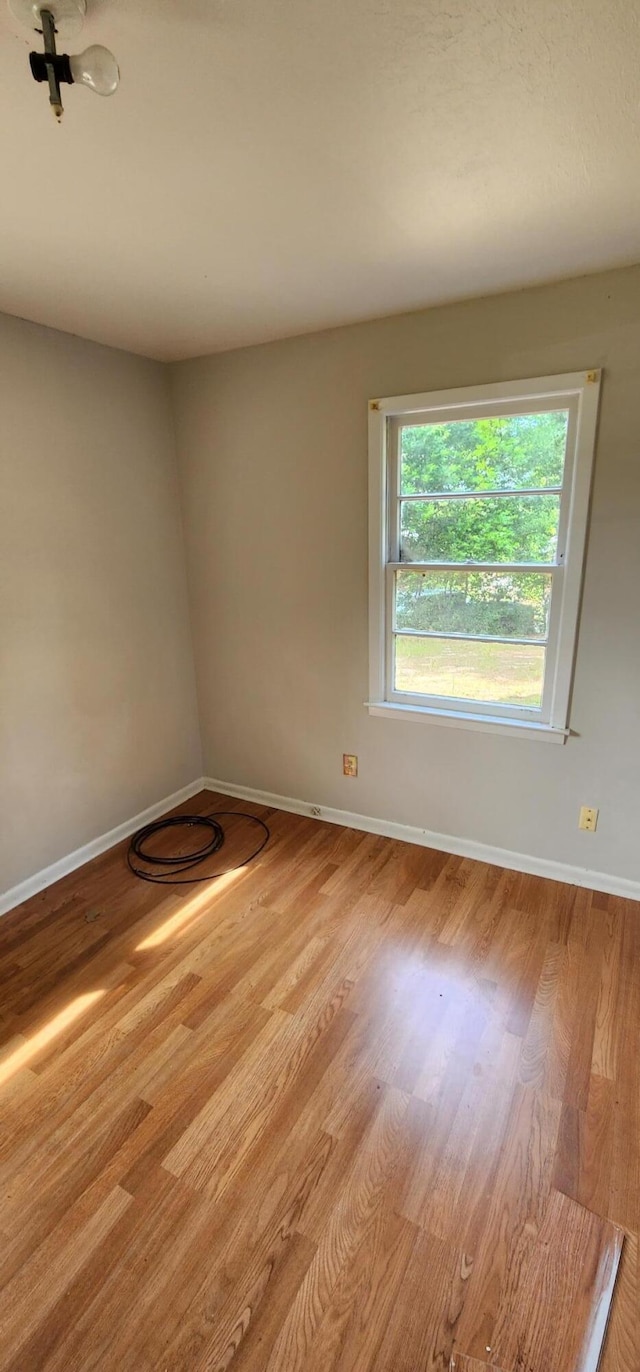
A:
(507, 452)
(507, 528)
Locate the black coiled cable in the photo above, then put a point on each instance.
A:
(186, 862)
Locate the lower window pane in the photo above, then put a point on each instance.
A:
(500, 673)
(498, 604)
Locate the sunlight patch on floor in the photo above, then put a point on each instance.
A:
(198, 905)
(22, 1056)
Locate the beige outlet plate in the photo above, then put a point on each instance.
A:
(588, 818)
(349, 764)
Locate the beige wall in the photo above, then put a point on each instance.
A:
(97, 702)
(273, 452)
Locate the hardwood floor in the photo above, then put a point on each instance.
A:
(357, 1106)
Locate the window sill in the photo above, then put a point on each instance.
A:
(486, 724)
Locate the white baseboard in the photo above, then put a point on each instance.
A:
(447, 843)
(46, 877)
(427, 838)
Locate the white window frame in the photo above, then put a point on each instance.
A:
(577, 392)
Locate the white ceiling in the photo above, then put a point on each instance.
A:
(271, 168)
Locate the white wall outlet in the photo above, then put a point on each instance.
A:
(588, 818)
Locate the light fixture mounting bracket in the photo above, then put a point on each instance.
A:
(68, 15)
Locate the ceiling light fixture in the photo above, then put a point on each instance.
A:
(95, 68)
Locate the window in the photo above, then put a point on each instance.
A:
(479, 503)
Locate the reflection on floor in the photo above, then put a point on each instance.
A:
(360, 1106)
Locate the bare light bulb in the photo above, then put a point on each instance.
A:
(96, 68)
